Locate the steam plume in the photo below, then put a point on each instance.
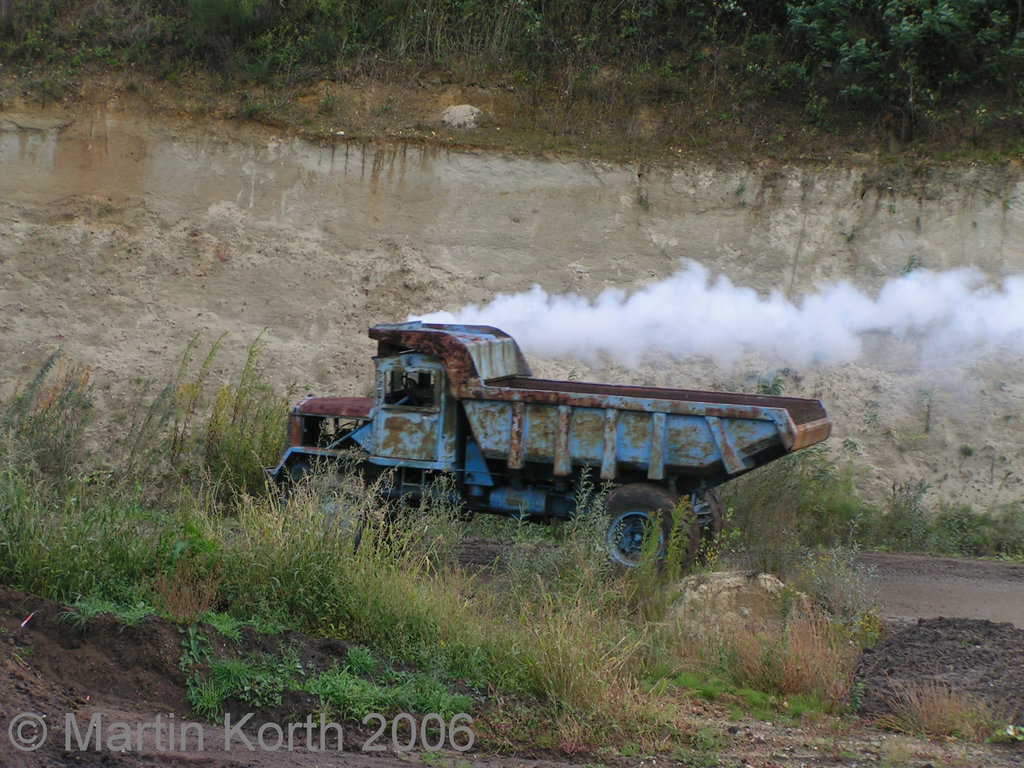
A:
(691, 314)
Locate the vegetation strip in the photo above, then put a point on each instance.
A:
(186, 536)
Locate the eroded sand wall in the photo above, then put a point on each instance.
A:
(121, 237)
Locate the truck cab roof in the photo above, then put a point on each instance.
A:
(471, 354)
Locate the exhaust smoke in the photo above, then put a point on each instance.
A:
(690, 314)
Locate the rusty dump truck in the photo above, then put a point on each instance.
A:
(459, 401)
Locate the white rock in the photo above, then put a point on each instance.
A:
(461, 116)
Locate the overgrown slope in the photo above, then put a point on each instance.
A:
(699, 75)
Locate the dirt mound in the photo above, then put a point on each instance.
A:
(732, 597)
(54, 663)
(977, 658)
(102, 656)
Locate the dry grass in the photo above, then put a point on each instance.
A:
(803, 653)
(935, 709)
(808, 656)
(188, 593)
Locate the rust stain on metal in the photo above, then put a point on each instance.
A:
(733, 461)
(350, 407)
(515, 437)
(460, 348)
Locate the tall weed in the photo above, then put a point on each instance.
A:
(844, 588)
(809, 656)
(221, 436)
(47, 415)
(908, 525)
(245, 428)
(81, 543)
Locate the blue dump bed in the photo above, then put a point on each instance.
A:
(622, 430)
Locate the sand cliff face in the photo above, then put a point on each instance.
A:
(122, 236)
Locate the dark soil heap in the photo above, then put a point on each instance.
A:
(981, 659)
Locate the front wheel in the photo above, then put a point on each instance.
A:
(637, 511)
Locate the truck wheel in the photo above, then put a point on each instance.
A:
(298, 470)
(291, 477)
(631, 510)
(337, 515)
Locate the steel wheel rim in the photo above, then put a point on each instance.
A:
(626, 536)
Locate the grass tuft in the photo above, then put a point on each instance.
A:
(934, 709)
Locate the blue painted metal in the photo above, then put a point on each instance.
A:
(413, 424)
(519, 501)
(297, 454)
(476, 471)
(363, 436)
(658, 442)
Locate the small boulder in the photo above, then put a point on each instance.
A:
(461, 116)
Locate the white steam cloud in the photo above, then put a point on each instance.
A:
(690, 314)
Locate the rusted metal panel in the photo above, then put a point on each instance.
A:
(471, 354)
(495, 358)
(656, 462)
(632, 399)
(409, 424)
(586, 439)
(490, 424)
(809, 433)
(294, 427)
(540, 426)
(345, 407)
(801, 410)
(563, 458)
(609, 456)
(634, 438)
(407, 435)
(690, 444)
(732, 459)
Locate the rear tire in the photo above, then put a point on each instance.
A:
(632, 511)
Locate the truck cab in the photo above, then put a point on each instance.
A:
(415, 418)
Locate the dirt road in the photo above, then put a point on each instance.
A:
(915, 587)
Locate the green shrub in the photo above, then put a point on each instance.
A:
(907, 54)
(845, 589)
(900, 60)
(959, 530)
(799, 501)
(907, 526)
